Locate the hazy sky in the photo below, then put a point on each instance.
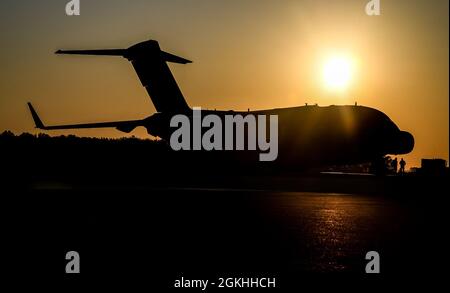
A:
(247, 54)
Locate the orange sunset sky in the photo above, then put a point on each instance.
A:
(247, 54)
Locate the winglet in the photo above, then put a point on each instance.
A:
(37, 120)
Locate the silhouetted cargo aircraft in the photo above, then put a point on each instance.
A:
(308, 135)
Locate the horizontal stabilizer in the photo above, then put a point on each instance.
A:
(107, 52)
(174, 59)
(149, 49)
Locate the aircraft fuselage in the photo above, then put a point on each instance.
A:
(317, 135)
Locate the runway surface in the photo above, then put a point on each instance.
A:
(152, 236)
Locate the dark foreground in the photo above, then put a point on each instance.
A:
(152, 237)
(144, 219)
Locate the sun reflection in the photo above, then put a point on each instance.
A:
(335, 227)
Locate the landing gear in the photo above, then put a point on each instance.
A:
(378, 166)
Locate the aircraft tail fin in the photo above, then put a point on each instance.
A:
(149, 62)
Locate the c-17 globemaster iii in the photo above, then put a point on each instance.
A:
(307, 135)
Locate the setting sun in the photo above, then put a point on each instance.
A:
(337, 73)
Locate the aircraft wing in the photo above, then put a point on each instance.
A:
(125, 126)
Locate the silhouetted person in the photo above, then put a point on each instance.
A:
(402, 166)
(394, 165)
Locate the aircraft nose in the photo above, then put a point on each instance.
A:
(404, 143)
